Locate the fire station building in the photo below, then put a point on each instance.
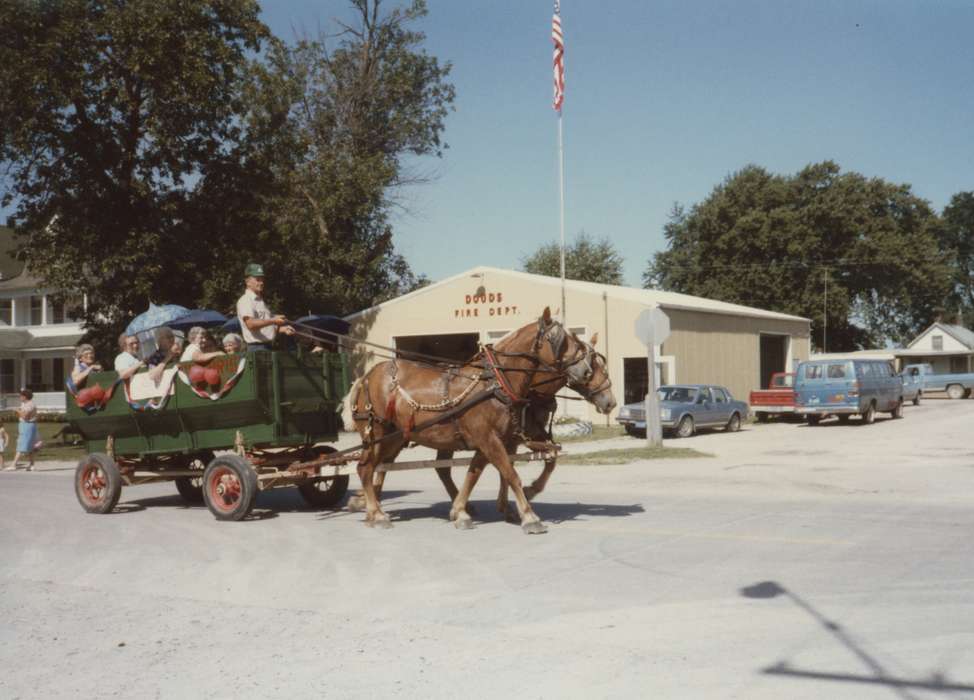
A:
(710, 342)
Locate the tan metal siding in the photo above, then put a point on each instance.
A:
(720, 349)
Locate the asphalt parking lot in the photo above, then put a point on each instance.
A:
(797, 562)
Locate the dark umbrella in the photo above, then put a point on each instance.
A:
(205, 318)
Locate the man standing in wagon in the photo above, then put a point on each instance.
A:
(257, 325)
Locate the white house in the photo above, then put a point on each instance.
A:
(37, 337)
(949, 348)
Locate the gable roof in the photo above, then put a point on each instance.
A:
(962, 335)
(649, 297)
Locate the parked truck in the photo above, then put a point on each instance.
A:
(778, 399)
(956, 385)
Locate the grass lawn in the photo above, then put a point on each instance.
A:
(625, 455)
(53, 449)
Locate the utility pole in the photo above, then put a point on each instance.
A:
(825, 313)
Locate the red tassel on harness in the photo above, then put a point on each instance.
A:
(391, 409)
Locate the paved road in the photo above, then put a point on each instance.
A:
(827, 562)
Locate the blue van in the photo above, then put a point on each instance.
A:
(847, 387)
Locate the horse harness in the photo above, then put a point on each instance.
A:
(498, 387)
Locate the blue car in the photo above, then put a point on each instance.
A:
(846, 388)
(686, 407)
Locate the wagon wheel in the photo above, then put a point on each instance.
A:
(324, 493)
(97, 483)
(230, 487)
(191, 487)
(916, 399)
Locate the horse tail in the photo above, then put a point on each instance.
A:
(348, 408)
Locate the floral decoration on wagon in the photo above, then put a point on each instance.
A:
(197, 377)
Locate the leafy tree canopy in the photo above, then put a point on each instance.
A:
(956, 236)
(586, 258)
(774, 241)
(153, 151)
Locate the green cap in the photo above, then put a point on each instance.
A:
(254, 270)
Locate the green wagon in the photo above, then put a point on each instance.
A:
(263, 424)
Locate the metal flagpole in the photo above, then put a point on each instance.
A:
(558, 65)
(561, 199)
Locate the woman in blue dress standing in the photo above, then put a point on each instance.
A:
(27, 429)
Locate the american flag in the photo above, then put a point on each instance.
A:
(559, 57)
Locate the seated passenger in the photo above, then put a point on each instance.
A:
(84, 364)
(201, 348)
(168, 349)
(232, 342)
(127, 361)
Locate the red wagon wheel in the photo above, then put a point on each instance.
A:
(230, 487)
(97, 483)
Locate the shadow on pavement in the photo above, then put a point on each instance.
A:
(877, 675)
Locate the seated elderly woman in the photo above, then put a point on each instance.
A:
(232, 342)
(201, 348)
(169, 347)
(84, 364)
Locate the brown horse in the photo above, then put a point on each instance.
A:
(475, 406)
(594, 385)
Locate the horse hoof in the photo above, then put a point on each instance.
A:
(535, 528)
(381, 523)
(463, 524)
(356, 504)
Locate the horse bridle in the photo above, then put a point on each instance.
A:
(561, 368)
(588, 356)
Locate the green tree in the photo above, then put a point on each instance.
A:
(956, 236)
(111, 115)
(586, 258)
(784, 242)
(153, 151)
(334, 130)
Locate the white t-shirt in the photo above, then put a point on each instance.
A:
(124, 360)
(250, 306)
(187, 355)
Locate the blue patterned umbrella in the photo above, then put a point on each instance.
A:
(156, 316)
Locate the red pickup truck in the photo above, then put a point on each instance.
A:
(778, 398)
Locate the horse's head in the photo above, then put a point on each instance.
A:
(588, 373)
(584, 368)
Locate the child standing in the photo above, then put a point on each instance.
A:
(4, 441)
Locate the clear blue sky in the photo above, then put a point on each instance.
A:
(664, 100)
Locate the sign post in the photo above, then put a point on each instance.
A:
(652, 327)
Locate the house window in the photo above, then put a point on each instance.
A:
(958, 364)
(7, 383)
(7, 311)
(938, 342)
(59, 374)
(36, 380)
(57, 313)
(36, 310)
